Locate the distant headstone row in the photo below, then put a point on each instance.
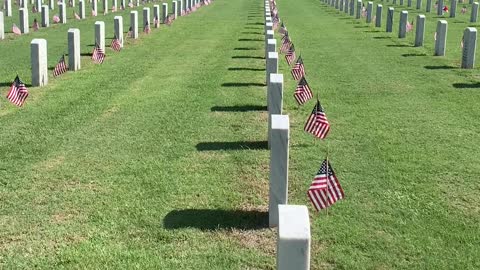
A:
(468, 42)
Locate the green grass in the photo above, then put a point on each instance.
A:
(156, 159)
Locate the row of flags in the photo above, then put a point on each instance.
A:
(18, 91)
(325, 188)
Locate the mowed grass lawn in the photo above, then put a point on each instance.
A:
(157, 159)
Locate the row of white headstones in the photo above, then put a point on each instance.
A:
(177, 7)
(293, 241)
(39, 46)
(469, 40)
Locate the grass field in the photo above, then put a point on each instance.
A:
(157, 158)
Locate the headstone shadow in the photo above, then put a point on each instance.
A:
(413, 54)
(215, 219)
(247, 57)
(439, 67)
(250, 39)
(382, 37)
(252, 33)
(234, 84)
(466, 85)
(399, 45)
(245, 49)
(245, 69)
(257, 23)
(225, 146)
(239, 108)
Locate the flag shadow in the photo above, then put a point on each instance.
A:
(242, 84)
(245, 49)
(240, 145)
(466, 85)
(214, 219)
(257, 23)
(252, 32)
(413, 54)
(239, 108)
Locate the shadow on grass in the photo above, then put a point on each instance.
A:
(382, 37)
(5, 84)
(439, 67)
(241, 145)
(240, 108)
(86, 54)
(413, 54)
(344, 18)
(250, 39)
(252, 32)
(245, 69)
(247, 57)
(245, 49)
(399, 45)
(257, 23)
(361, 26)
(466, 85)
(214, 219)
(255, 28)
(241, 84)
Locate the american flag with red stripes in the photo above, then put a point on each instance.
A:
(98, 55)
(35, 25)
(18, 92)
(156, 21)
(298, 71)
(16, 30)
(61, 67)
(303, 93)
(56, 19)
(290, 55)
(286, 43)
(146, 28)
(325, 189)
(283, 29)
(317, 124)
(115, 45)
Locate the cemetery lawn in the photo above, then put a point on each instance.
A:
(157, 159)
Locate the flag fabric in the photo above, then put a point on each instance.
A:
(146, 28)
(303, 93)
(169, 20)
(56, 19)
(464, 10)
(130, 4)
(18, 92)
(325, 189)
(61, 67)
(317, 123)
(114, 8)
(409, 26)
(16, 30)
(298, 71)
(98, 55)
(34, 9)
(77, 17)
(94, 13)
(35, 25)
(130, 32)
(290, 55)
(156, 22)
(282, 29)
(115, 45)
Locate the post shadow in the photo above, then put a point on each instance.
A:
(240, 145)
(214, 219)
(238, 108)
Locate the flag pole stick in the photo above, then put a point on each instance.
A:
(328, 180)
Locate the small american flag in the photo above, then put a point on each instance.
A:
(35, 25)
(122, 7)
(156, 22)
(77, 17)
(98, 55)
(94, 13)
(283, 29)
(16, 30)
(409, 26)
(169, 20)
(146, 28)
(115, 45)
(114, 8)
(286, 43)
(290, 55)
(303, 93)
(130, 32)
(317, 124)
(56, 19)
(325, 189)
(18, 92)
(130, 4)
(298, 71)
(61, 67)
(464, 10)
(34, 9)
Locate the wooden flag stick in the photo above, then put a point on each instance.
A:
(328, 180)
